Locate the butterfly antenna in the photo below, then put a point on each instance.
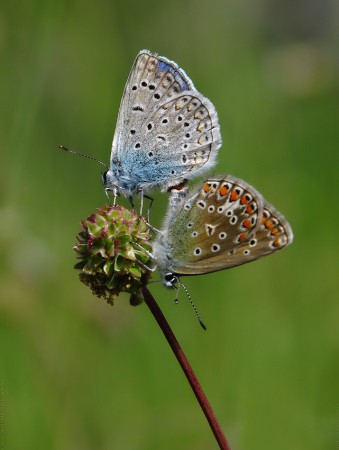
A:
(176, 300)
(82, 154)
(191, 302)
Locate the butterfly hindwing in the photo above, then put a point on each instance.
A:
(225, 224)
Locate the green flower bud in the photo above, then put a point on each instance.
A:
(113, 251)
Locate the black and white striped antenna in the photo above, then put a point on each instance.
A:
(190, 300)
(82, 154)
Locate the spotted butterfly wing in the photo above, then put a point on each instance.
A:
(224, 224)
(166, 130)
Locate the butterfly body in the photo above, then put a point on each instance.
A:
(166, 132)
(223, 224)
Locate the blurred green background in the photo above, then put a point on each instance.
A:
(76, 373)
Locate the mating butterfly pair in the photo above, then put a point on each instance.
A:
(168, 133)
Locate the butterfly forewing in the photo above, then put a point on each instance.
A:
(166, 130)
(144, 90)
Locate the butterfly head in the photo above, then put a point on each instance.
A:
(117, 182)
(109, 186)
(170, 280)
(104, 178)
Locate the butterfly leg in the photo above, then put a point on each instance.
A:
(141, 201)
(130, 198)
(142, 196)
(114, 194)
(149, 269)
(153, 228)
(149, 254)
(149, 206)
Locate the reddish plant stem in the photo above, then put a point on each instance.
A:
(192, 379)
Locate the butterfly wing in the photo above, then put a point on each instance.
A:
(166, 129)
(225, 224)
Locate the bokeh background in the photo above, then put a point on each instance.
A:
(76, 373)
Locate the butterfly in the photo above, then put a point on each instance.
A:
(223, 224)
(166, 133)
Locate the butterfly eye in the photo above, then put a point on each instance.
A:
(170, 280)
(104, 178)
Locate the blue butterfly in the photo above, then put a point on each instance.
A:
(166, 133)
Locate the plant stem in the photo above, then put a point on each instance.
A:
(192, 379)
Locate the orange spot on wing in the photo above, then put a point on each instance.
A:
(244, 200)
(206, 187)
(234, 196)
(242, 236)
(249, 209)
(223, 190)
(268, 223)
(275, 231)
(247, 224)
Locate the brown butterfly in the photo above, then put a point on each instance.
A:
(224, 223)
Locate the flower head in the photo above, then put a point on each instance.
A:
(113, 251)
